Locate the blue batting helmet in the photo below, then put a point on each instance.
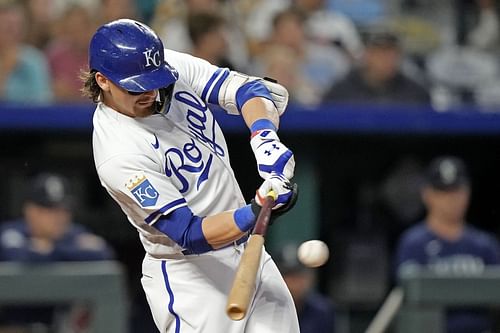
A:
(130, 54)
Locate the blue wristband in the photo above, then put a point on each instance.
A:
(244, 218)
(261, 124)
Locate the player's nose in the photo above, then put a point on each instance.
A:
(151, 93)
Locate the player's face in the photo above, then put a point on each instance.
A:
(130, 104)
(382, 62)
(47, 222)
(450, 205)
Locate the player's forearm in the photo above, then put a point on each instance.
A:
(222, 229)
(259, 108)
(203, 234)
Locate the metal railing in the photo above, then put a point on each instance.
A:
(427, 294)
(99, 284)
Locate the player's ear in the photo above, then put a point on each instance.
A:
(102, 81)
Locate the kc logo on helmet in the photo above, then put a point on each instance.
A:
(152, 58)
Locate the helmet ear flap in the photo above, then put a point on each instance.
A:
(164, 99)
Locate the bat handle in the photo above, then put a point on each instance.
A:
(265, 214)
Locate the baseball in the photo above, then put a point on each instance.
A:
(313, 253)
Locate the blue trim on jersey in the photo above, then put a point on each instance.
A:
(163, 209)
(250, 90)
(209, 83)
(171, 297)
(262, 124)
(217, 85)
(214, 95)
(185, 229)
(244, 218)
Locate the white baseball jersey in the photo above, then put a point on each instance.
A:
(154, 165)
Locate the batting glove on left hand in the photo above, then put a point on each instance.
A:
(271, 155)
(279, 185)
(286, 196)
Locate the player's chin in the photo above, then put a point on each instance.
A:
(144, 109)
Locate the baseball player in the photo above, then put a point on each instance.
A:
(46, 233)
(445, 243)
(162, 157)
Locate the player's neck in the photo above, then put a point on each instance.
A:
(449, 229)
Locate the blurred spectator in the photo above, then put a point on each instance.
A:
(67, 52)
(319, 65)
(484, 33)
(206, 31)
(24, 75)
(363, 13)
(315, 311)
(330, 27)
(426, 25)
(39, 19)
(258, 20)
(59, 7)
(284, 65)
(458, 22)
(171, 22)
(444, 242)
(322, 26)
(457, 41)
(110, 10)
(146, 9)
(460, 75)
(46, 233)
(379, 78)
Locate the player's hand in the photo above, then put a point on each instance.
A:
(271, 155)
(278, 210)
(277, 183)
(287, 194)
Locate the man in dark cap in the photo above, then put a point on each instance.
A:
(444, 242)
(379, 79)
(46, 233)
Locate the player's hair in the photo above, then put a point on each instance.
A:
(90, 87)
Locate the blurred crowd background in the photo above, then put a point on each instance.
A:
(440, 53)
(359, 191)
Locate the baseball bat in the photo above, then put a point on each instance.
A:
(244, 281)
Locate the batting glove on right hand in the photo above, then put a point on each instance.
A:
(271, 155)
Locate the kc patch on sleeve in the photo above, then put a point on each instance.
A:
(143, 191)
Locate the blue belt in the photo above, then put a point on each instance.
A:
(242, 240)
